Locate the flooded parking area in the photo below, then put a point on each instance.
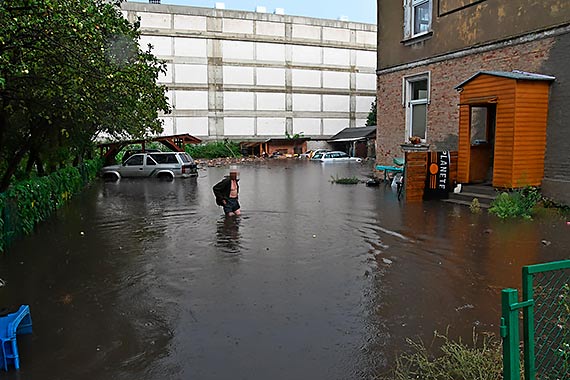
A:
(148, 280)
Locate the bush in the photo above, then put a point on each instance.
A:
(481, 360)
(29, 202)
(214, 150)
(519, 203)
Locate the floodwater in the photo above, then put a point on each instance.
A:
(147, 280)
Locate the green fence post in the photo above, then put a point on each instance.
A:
(528, 325)
(510, 335)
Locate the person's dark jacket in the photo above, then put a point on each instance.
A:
(222, 190)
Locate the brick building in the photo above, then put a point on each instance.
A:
(428, 47)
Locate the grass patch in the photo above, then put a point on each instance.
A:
(345, 181)
(455, 360)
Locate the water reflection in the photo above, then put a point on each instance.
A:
(331, 278)
(228, 235)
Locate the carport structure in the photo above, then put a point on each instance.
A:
(502, 128)
(175, 143)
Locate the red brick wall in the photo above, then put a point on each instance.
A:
(443, 110)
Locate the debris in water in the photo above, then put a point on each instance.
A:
(466, 306)
(387, 261)
(82, 233)
(488, 231)
(2, 283)
(314, 236)
(546, 242)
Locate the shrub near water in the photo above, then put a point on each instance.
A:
(29, 202)
(214, 150)
(456, 360)
(519, 203)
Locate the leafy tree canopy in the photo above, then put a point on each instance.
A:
(71, 70)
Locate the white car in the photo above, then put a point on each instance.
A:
(335, 157)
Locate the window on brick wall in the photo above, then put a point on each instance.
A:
(417, 17)
(416, 100)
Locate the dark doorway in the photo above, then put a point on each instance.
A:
(482, 133)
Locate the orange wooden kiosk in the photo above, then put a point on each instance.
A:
(502, 128)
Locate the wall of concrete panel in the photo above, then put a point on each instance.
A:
(246, 75)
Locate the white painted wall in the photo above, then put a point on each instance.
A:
(239, 126)
(156, 20)
(363, 103)
(270, 52)
(270, 76)
(187, 22)
(336, 34)
(276, 29)
(238, 75)
(237, 50)
(197, 74)
(307, 126)
(336, 103)
(306, 102)
(335, 79)
(190, 47)
(270, 126)
(239, 101)
(195, 126)
(191, 100)
(306, 78)
(270, 101)
(334, 126)
(307, 54)
(161, 46)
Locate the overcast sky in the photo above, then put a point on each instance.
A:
(354, 10)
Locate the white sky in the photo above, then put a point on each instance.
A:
(355, 10)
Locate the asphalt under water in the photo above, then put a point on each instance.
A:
(147, 280)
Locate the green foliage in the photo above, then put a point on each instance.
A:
(345, 181)
(29, 202)
(519, 203)
(475, 206)
(71, 70)
(371, 119)
(481, 360)
(214, 149)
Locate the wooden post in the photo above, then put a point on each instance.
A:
(416, 174)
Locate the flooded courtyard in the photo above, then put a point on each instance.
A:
(148, 280)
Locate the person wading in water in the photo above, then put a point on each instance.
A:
(226, 193)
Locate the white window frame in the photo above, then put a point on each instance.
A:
(408, 103)
(409, 17)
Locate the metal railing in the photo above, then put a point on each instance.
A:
(546, 324)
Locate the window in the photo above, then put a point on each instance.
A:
(136, 160)
(417, 19)
(150, 161)
(416, 101)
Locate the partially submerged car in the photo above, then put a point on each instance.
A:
(161, 165)
(335, 156)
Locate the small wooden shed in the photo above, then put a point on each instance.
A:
(502, 128)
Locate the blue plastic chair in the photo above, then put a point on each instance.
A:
(11, 325)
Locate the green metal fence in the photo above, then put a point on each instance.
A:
(546, 324)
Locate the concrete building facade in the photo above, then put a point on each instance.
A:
(253, 76)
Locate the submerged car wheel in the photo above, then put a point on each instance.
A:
(165, 177)
(111, 177)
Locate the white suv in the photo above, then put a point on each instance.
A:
(162, 165)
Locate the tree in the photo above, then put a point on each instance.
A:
(71, 70)
(371, 120)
